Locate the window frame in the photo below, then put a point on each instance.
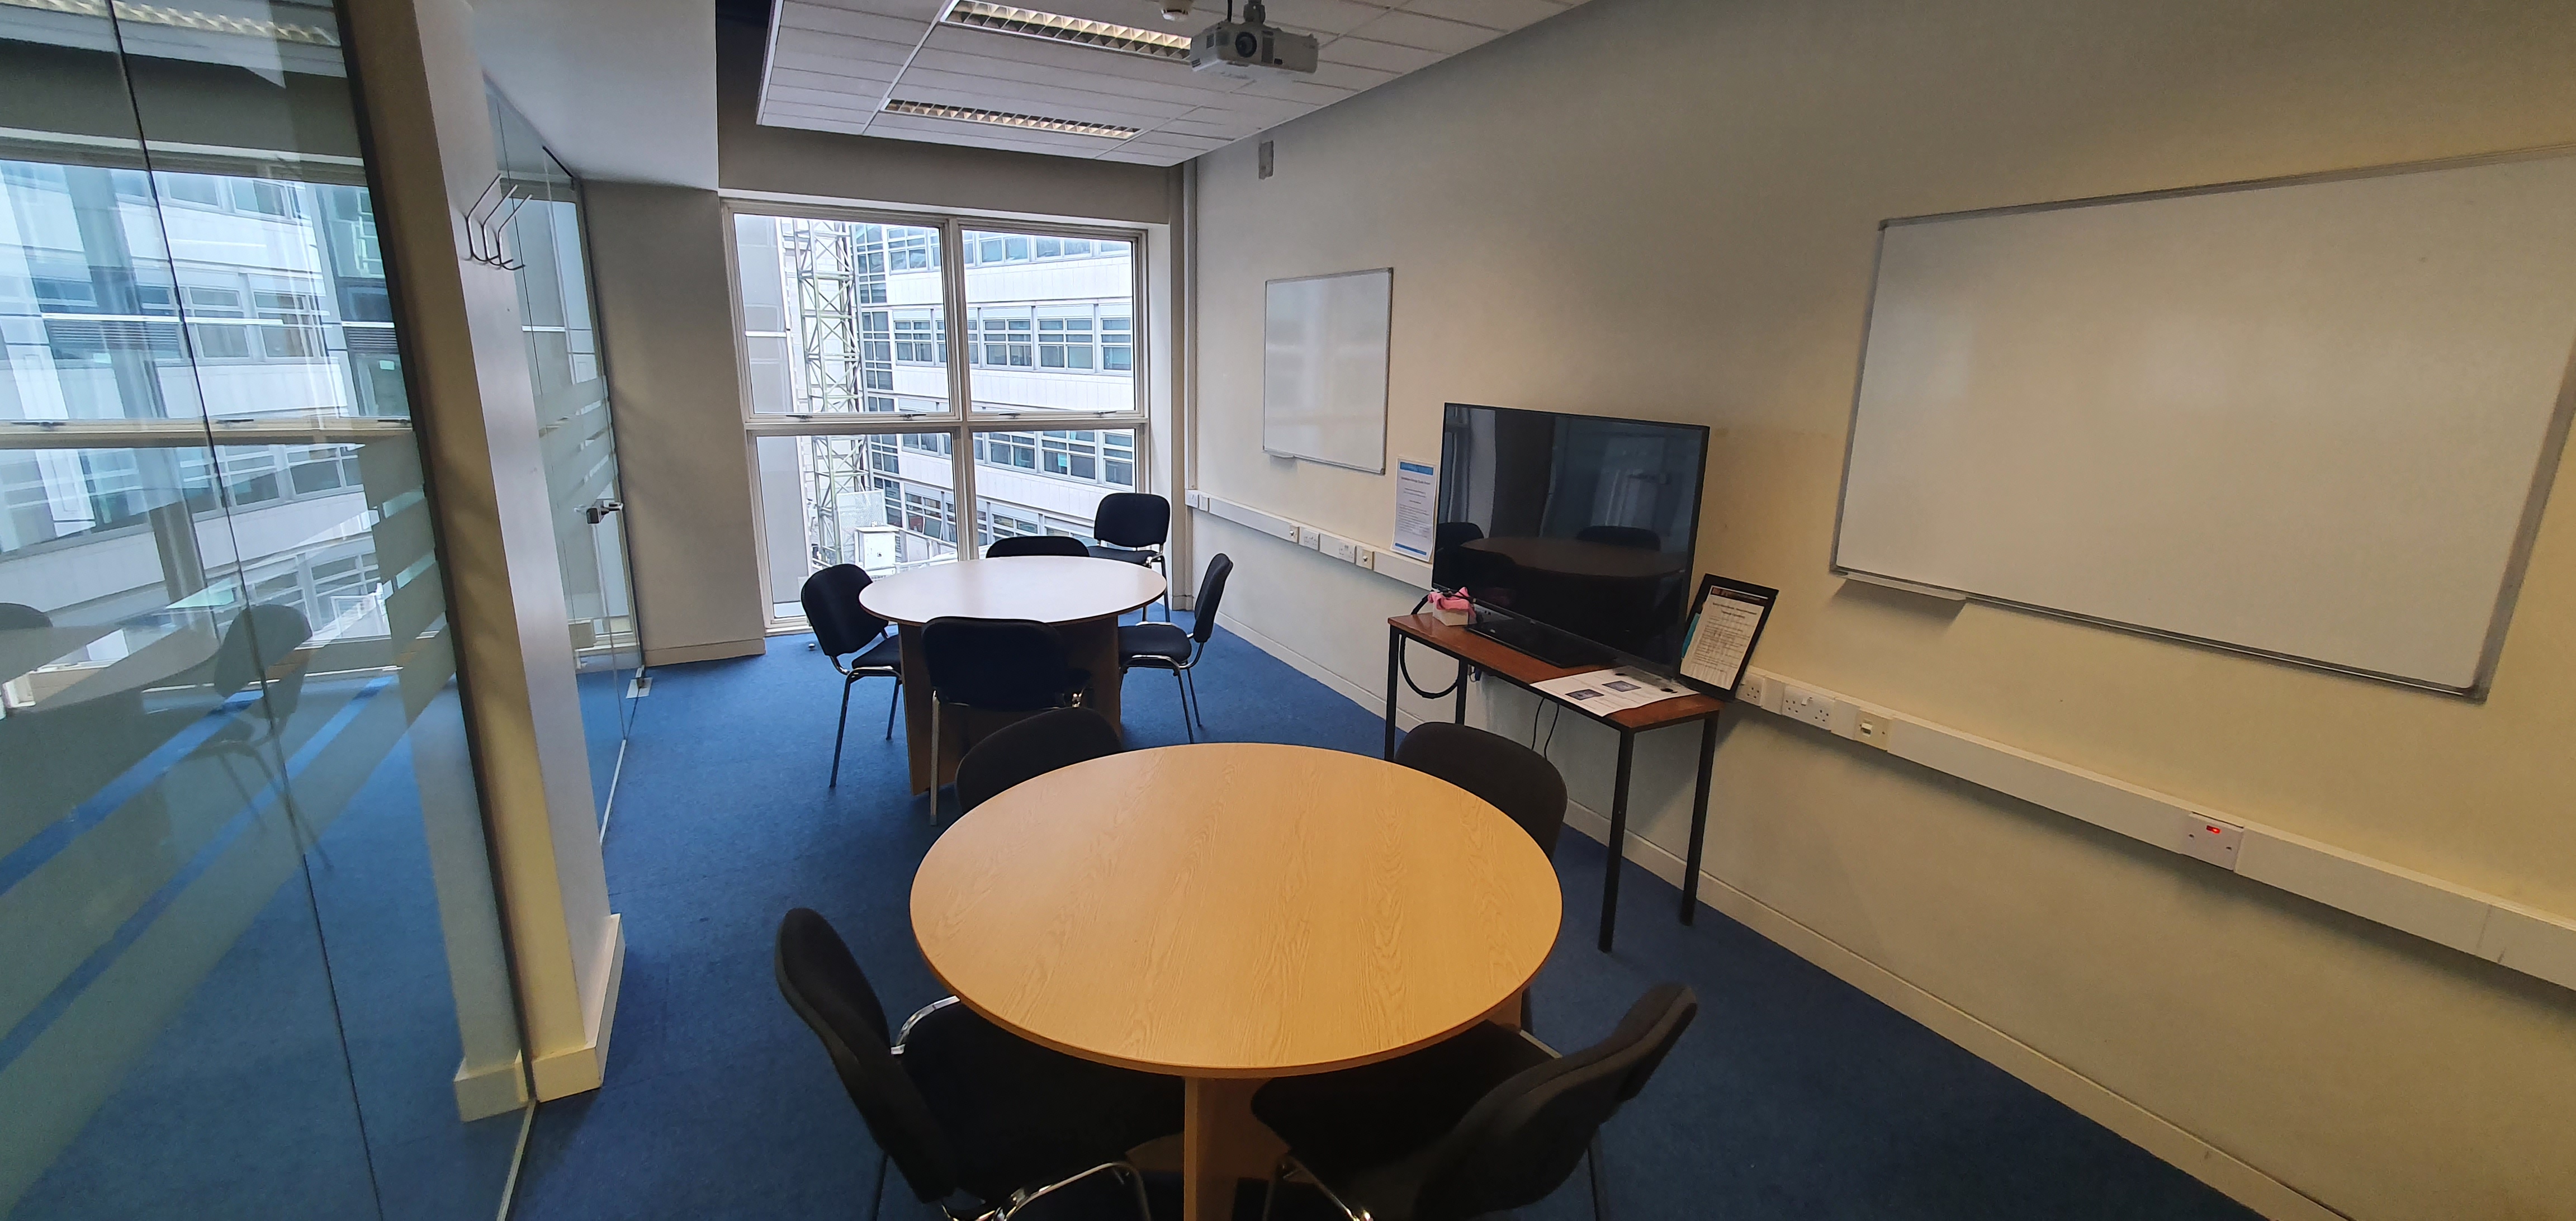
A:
(961, 422)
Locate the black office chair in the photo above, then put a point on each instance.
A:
(1513, 778)
(981, 1122)
(1025, 750)
(1133, 527)
(1164, 646)
(1622, 536)
(18, 616)
(1036, 544)
(254, 656)
(996, 665)
(1484, 1122)
(842, 626)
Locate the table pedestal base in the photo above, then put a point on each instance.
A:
(1222, 1144)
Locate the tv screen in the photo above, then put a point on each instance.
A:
(1583, 526)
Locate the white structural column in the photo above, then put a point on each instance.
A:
(433, 147)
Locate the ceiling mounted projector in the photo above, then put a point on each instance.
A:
(1251, 49)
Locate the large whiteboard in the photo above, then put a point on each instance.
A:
(1323, 368)
(2313, 419)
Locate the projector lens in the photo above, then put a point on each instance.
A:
(1246, 45)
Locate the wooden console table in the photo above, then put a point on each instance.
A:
(1526, 672)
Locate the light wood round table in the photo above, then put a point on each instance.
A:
(1233, 912)
(1081, 597)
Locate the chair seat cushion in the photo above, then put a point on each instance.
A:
(1020, 1115)
(1161, 640)
(1344, 1125)
(1101, 552)
(885, 654)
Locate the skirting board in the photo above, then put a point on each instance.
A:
(2241, 1182)
(574, 1070)
(716, 651)
(493, 1090)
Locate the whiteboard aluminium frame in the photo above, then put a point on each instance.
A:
(2535, 502)
(1387, 394)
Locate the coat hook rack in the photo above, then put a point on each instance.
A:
(486, 228)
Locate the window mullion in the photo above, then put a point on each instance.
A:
(961, 387)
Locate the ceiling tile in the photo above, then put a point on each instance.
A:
(851, 77)
(1427, 33)
(1500, 14)
(1305, 93)
(1346, 76)
(1318, 16)
(1186, 93)
(915, 10)
(807, 100)
(796, 15)
(841, 47)
(1383, 56)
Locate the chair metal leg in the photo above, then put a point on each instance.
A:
(934, 758)
(1193, 673)
(1183, 686)
(1270, 1193)
(842, 732)
(1144, 1204)
(1600, 1189)
(892, 704)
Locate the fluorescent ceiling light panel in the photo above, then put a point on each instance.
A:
(1056, 27)
(997, 118)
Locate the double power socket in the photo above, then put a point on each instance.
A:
(1824, 710)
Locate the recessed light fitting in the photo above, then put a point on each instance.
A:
(1056, 27)
(997, 118)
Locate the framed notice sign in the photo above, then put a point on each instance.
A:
(1726, 621)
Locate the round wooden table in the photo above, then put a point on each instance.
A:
(1233, 912)
(1081, 597)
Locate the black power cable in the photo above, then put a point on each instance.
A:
(1404, 667)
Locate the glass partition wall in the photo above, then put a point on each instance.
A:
(576, 438)
(859, 335)
(250, 958)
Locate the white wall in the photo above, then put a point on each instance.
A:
(1666, 208)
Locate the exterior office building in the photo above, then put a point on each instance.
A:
(847, 317)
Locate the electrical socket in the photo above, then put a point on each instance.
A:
(1750, 690)
(1342, 549)
(1366, 559)
(1315, 539)
(1799, 704)
(2213, 841)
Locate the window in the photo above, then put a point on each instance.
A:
(846, 345)
(1117, 346)
(296, 330)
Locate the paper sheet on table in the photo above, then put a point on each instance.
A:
(1414, 505)
(1602, 692)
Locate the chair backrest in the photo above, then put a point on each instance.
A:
(1515, 779)
(1211, 592)
(824, 985)
(1036, 544)
(18, 616)
(1025, 750)
(1638, 537)
(1522, 1140)
(1004, 664)
(831, 599)
(1132, 519)
(258, 639)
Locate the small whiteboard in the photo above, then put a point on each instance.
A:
(1323, 368)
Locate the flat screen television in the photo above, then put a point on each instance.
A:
(1574, 534)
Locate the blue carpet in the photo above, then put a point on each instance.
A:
(1794, 1095)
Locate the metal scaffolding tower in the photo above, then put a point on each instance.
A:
(836, 269)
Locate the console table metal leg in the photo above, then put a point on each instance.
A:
(1699, 821)
(1394, 660)
(1460, 715)
(1618, 840)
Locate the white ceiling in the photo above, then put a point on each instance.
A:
(833, 63)
(623, 90)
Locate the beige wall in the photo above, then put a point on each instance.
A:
(1666, 208)
(826, 166)
(666, 323)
